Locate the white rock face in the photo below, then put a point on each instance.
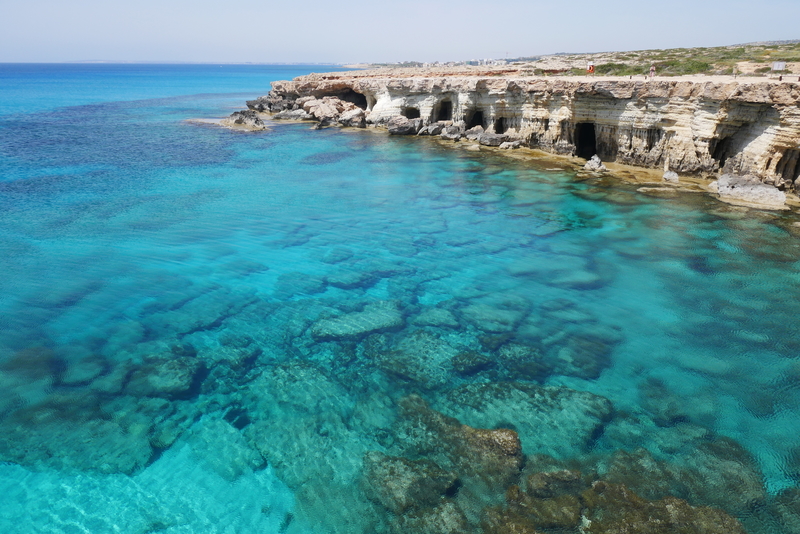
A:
(750, 190)
(595, 165)
(670, 176)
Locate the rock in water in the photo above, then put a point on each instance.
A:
(376, 317)
(492, 139)
(167, 377)
(451, 133)
(355, 118)
(247, 118)
(434, 129)
(400, 125)
(400, 484)
(595, 165)
(553, 420)
(748, 189)
(474, 133)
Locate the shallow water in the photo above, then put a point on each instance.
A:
(205, 330)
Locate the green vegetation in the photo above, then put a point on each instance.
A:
(683, 61)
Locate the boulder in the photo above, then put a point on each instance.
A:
(355, 118)
(750, 190)
(400, 125)
(510, 144)
(451, 133)
(247, 118)
(435, 128)
(491, 139)
(670, 176)
(322, 109)
(474, 133)
(595, 165)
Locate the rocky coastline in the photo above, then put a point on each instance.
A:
(747, 130)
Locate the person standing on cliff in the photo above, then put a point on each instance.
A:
(652, 71)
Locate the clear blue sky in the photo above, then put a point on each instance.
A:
(373, 31)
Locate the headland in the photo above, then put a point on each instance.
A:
(745, 129)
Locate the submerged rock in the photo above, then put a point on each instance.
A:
(169, 377)
(436, 317)
(71, 432)
(492, 458)
(400, 484)
(614, 509)
(552, 420)
(421, 357)
(376, 317)
(222, 448)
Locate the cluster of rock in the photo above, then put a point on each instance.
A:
(326, 110)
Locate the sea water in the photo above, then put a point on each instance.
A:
(209, 330)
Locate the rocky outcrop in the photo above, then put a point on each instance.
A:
(749, 190)
(594, 165)
(247, 119)
(682, 126)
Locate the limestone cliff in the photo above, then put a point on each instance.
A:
(684, 126)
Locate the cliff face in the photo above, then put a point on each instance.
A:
(683, 126)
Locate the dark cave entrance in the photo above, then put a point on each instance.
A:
(722, 151)
(475, 120)
(585, 140)
(410, 113)
(348, 95)
(500, 125)
(445, 111)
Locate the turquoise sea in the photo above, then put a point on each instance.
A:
(205, 330)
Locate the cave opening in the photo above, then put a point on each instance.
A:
(788, 167)
(722, 151)
(348, 95)
(410, 113)
(500, 125)
(546, 123)
(585, 140)
(475, 120)
(445, 111)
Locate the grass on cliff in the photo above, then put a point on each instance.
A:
(753, 58)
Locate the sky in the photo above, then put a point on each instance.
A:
(352, 31)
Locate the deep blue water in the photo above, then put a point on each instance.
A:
(132, 238)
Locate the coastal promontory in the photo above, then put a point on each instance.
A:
(702, 125)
